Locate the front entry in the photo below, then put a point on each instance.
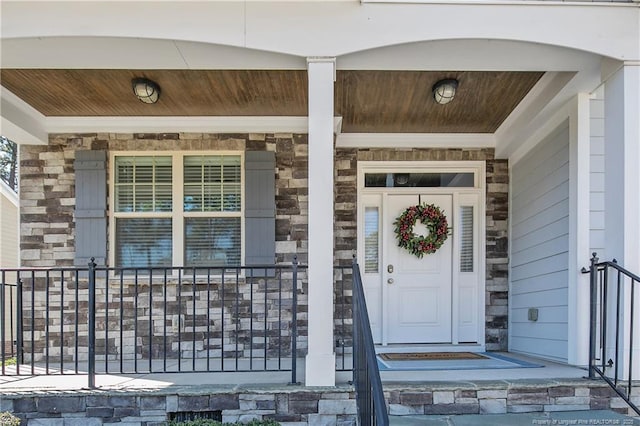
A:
(418, 289)
(437, 298)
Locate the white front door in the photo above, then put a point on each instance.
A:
(438, 298)
(419, 290)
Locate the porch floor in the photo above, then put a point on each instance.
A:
(550, 372)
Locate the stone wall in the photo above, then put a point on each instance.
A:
(294, 407)
(497, 187)
(48, 200)
(298, 406)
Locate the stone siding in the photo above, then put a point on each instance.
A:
(290, 407)
(499, 398)
(497, 200)
(298, 406)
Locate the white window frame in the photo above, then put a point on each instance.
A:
(178, 214)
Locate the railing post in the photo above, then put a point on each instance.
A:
(19, 325)
(294, 323)
(92, 324)
(593, 283)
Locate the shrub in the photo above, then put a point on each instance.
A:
(208, 422)
(8, 419)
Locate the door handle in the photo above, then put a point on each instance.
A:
(390, 269)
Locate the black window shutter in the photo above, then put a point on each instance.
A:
(91, 207)
(260, 208)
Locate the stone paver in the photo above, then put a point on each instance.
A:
(594, 417)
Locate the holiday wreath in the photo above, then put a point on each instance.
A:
(435, 221)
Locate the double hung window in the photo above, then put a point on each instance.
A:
(177, 209)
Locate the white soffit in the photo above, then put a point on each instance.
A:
(19, 121)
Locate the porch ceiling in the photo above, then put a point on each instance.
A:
(368, 101)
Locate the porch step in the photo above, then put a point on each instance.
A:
(590, 417)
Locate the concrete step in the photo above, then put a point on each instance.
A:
(591, 417)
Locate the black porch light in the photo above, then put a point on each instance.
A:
(146, 90)
(444, 91)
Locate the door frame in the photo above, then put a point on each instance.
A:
(478, 168)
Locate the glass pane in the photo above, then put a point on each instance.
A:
(231, 197)
(124, 198)
(419, 180)
(466, 239)
(371, 239)
(143, 242)
(212, 198)
(212, 183)
(144, 198)
(212, 241)
(143, 184)
(163, 198)
(192, 198)
(124, 169)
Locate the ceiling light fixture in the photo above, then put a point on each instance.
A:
(444, 91)
(146, 90)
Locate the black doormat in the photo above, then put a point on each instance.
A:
(429, 356)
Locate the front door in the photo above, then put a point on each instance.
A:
(418, 290)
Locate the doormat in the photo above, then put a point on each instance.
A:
(417, 361)
(429, 356)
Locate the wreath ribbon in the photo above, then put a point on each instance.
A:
(435, 221)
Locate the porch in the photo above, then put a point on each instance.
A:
(248, 373)
(154, 397)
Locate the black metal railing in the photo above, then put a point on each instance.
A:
(372, 409)
(611, 337)
(151, 320)
(343, 316)
(8, 322)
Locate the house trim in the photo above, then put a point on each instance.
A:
(415, 140)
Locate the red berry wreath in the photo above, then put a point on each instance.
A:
(435, 221)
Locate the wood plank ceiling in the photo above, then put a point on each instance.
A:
(368, 101)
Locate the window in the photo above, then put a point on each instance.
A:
(371, 239)
(177, 210)
(466, 239)
(419, 180)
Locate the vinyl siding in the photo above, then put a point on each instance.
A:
(540, 245)
(596, 176)
(9, 245)
(9, 227)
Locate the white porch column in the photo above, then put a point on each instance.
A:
(622, 170)
(622, 178)
(579, 150)
(320, 363)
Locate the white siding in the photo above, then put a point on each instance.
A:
(9, 227)
(596, 177)
(9, 245)
(539, 248)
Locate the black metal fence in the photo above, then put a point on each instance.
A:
(155, 320)
(611, 337)
(151, 320)
(372, 409)
(8, 321)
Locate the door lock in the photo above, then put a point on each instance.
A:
(390, 269)
(390, 281)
